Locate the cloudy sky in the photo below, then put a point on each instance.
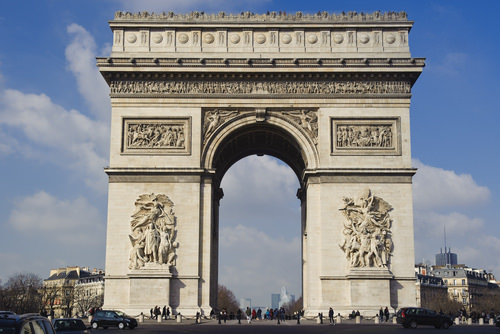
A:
(54, 139)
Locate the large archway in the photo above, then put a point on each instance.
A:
(327, 94)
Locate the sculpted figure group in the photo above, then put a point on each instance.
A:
(260, 87)
(155, 135)
(367, 231)
(364, 136)
(153, 232)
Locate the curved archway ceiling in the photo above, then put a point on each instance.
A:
(259, 139)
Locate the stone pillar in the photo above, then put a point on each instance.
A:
(377, 320)
(179, 317)
(358, 319)
(481, 321)
(469, 321)
(141, 317)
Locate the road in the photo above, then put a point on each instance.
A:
(289, 327)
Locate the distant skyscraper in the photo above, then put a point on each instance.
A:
(446, 258)
(275, 300)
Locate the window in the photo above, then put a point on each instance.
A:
(463, 282)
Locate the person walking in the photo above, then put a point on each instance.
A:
(238, 316)
(386, 313)
(330, 315)
(249, 315)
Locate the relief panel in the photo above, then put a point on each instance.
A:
(153, 136)
(365, 136)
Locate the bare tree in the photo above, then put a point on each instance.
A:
(84, 302)
(226, 299)
(49, 295)
(292, 308)
(21, 294)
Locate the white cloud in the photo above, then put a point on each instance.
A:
(80, 54)
(69, 222)
(444, 199)
(68, 138)
(451, 65)
(252, 264)
(439, 188)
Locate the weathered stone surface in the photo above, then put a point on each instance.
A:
(327, 94)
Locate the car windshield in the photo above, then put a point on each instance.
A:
(121, 314)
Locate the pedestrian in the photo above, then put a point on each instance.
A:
(386, 313)
(381, 314)
(330, 315)
(168, 312)
(249, 315)
(164, 312)
(238, 316)
(298, 318)
(151, 313)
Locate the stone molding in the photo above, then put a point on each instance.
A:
(248, 32)
(324, 16)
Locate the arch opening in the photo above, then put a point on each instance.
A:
(259, 231)
(259, 139)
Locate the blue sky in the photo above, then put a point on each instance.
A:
(54, 139)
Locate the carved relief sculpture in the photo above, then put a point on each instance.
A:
(365, 136)
(156, 135)
(259, 87)
(367, 231)
(153, 233)
(307, 120)
(214, 119)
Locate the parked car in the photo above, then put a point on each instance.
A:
(26, 323)
(411, 317)
(107, 318)
(70, 326)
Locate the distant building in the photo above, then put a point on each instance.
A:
(428, 288)
(467, 285)
(446, 258)
(245, 302)
(60, 292)
(275, 300)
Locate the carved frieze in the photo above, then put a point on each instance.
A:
(228, 87)
(157, 136)
(153, 233)
(367, 233)
(353, 136)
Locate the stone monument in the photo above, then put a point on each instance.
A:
(328, 94)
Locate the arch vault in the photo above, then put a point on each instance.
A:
(192, 94)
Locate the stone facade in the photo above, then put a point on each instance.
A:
(327, 94)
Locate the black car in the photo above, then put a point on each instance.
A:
(26, 323)
(411, 317)
(105, 319)
(70, 326)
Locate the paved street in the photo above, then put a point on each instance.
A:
(289, 327)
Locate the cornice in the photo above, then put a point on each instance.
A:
(269, 17)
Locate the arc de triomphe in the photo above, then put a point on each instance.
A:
(328, 94)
